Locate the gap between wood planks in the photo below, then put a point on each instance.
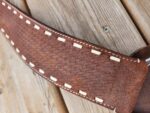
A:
(128, 9)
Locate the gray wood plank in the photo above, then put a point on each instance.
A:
(21, 90)
(87, 20)
(140, 12)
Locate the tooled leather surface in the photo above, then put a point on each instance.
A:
(117, 83)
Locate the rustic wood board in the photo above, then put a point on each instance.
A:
(87, 20)
(140, 12)
(103, 22)
(21, 89)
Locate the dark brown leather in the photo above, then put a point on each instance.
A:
(73, 64)
(143, 102)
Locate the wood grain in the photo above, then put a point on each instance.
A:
(140, 12)
(23, 91)
(103, 22)
(89, 20)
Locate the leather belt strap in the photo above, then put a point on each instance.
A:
(100, 75)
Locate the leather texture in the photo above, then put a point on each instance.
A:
(97, 74)
(143, 102)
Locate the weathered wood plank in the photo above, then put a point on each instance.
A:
(22, 90)
(140, 12)
(103, 22)
(87, 20)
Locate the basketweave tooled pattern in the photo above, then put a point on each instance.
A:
(97, 74)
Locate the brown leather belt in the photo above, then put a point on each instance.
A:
(97, 74)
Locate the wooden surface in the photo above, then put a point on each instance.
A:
(103, 22)
(23, 91)
(140, 12)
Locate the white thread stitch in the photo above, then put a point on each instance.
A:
(17, 50)
(20, 16)
(47, 33)
(2, 30)
(36, 27)
(106, 51)
(23, 57)
(114, 58)
(9, 7)
(15, 12)
(99, 100)
(61, 39)
(138, 60)
(41, 71)
(114, 111)
(3, 4)
(95, 52)
(77, 45)
(89, 46)
(53, 78)
(7, 36)
(12, 43)
(31, 64)
(82, 93)
(28, 22)
(67, 85)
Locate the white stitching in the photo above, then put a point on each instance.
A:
(82, 93)
(28, 22)
(115, 55)
(138, 60)
(23, 57)
(84, 43)
(53, 78)
(77, 45)
(31, 64)
(36, 27)
(20, 16)
(3, 4)
(67, 85)
(17, 50)
(7, 36)
(41, 71)
(99, 100)
(115, 59)
(9, 8)
(14, 12)
(12, 43)
(61, 39)
(2, 30)
(47, 33)
(95, 52)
